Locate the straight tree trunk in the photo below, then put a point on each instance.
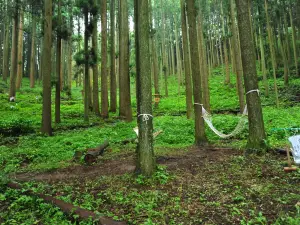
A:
(6, 50)
(124, 87)
(272, 50)
(20, 51)
(164, 55)
(113, 85)
(32, 54)
(14, 52)
(257, 135)
(238, 63)
(145, 154)
(178, 58)
(186, 57)
(203, 65)
(46, 117)
(263, 63)
(200, 137)
(58, 68)
(86, 68)
(104, 84)
(294, 41)
(95, 65)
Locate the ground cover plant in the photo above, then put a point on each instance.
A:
(191, 186)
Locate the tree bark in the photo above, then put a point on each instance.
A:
(86, 68)
(95, 65)
(257, 135)
(186, 57)
(200, 137)
(14, 53)
(124, 85)
(32, 54)
(104, 89)
(113, 85)
(239, 68)
(20, 51)
(46, 117)
(6, 50)
(145, 154)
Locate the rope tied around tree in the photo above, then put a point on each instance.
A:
(239, 127)
(146, 117)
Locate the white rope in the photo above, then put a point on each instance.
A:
(239, 127)
(254, 90)
(146, 117)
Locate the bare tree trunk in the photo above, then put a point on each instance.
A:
(32, 55)
(239, 68)
(294, 41)
(113, 85)
(6, 50)
(200, 137)
(257, 135)
(95, 65)
(86, 68)
(164, 55)
(104, 84)
(20, 51)
(145, 154)
(46, 118)
(125, 100)
(263, 63)
(186, 57)
(14, 53)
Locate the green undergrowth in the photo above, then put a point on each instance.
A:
(142, 200)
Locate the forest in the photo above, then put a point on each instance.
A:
(148, 112)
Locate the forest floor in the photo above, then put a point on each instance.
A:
(212, 185)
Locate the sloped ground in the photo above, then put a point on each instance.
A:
(198, 186)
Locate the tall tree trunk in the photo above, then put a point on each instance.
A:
(294, 41)
(263, 63)
(227, 70)
(257, 135)
(178, 58)
(186, 57)
(86, 68)
(203, 65)
(145, 153)
(95, 65)
(6, 50)
(32, 54)
(125, 100)
(14, 52)
(200, 137)
(20, 51)
(58, 67)
(113, 85)
(164, 55)
(272, 50)
(46, 117)
(239, 68)
(104, 84)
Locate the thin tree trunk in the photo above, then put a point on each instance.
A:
(178, 58)
(95, 66)
(58, 68)
(186, 57)
(46, 117)
(113, 85)
(164, 55)
(145, 154)
(272, 50)
(125, 100)
(294, 41)
(6, 50)
(257, 135)
(200, 137)
(14, 53)
(104, 84)
(32, 54)
(20, 51)
(263, 63)
(239, 68)
(86, 68)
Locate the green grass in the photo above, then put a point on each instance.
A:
(24, 149)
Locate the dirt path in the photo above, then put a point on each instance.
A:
(195, 157)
